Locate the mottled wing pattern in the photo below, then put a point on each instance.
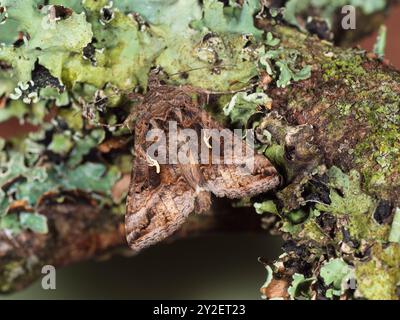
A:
(237, 180)
(159, 202)
(231, 181)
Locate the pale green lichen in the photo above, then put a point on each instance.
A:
(21, 182)
(98, 58)
(345, 223)
(266, 207)
(348, 202)
(233, 18)
(61, 143)
(270, 277)
(35, 222)
(271, 41)
(25, 220)
(394, 235)
(20, 110)
(45, 39)
(242, 106)
(380, 44)
(353, 204)
(336, 273)
(285, 61)
(85, 61)
(123, 50)
(300, 288)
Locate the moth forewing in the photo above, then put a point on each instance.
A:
(167, 185)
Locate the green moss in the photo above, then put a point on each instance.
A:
(377, 155)
(311, 231)
(368, 104)
(344, 109)
(98, 60)
(346, 67)
(379, 277)
(10, 272)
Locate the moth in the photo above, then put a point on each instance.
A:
(161, 196)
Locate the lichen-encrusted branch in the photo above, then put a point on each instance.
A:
(327, 118)
(80, 230)
(77, 231)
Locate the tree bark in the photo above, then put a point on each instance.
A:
(345, 115)
(79, 231)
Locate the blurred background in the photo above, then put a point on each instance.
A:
(210, 267)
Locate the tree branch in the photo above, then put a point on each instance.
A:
(330, 125)
(80, 231)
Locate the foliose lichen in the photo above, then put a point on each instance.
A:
(75, 68)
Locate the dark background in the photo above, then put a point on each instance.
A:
(212, 267)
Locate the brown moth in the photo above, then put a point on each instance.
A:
(161, 196)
